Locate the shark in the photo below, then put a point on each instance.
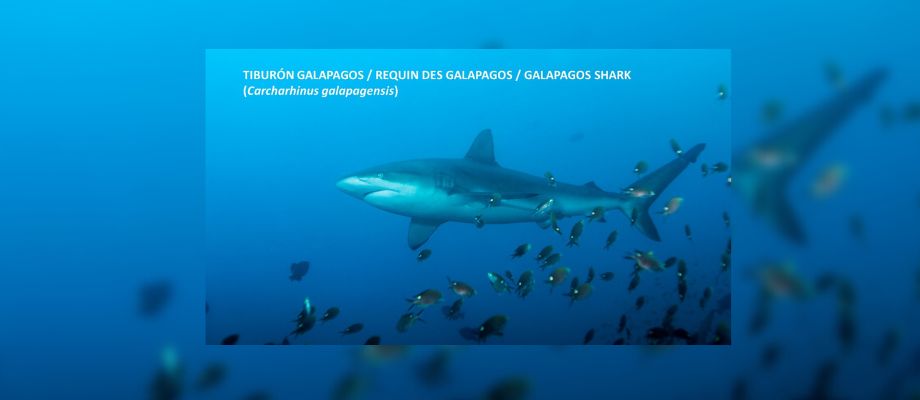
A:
(477, 190)
(763, 170)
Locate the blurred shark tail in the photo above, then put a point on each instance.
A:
(643, 192)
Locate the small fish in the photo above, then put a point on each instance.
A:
(707, 294)
(607, 276)
(846, 329)
(521, 250)
(889, 345)
(829, 181)
(545, 252)
(719, 167)
(407, 320)
(622, 324)
(597, 214)
(460, 288)
(675, 147)
(509, 275)
(728, 181)
(671, 311)
(590, 275)
(552, 259)
(769, 355)
(554, 224)
(670, 261)
(640, 168)
(478, 221)
(645, 260)
(857, 227)
(726, 260)
(771, 111)
(499, 285)
(672, 206)
(330, 314)
(494, 326)
(634, 283)
(550, 178)
(154, 296)
(886, 115)
(545, 207)
(352, 329)
(306, 319)
(611, 239)
(726, 219)
(656, 335)
(681, 289)
(782, 281)
(834, 75)
(525, 284)
(912, 111)
(704, 169)
(452, 312)
(639, 193)
(298, 270)
(580, 292)
(557, 277)
(575, 233)
(760, 318)
(230, 340)
(722, 92)
(723, 335)
(688, 232)
(423, 255)
(425, 298)
(640, 301)
(589, 336)
(681, 269)
(211, 376)
(372, 341)
(495, 200)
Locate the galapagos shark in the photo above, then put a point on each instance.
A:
(763, 170)
(475, 189)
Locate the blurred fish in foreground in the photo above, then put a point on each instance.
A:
(153, 297)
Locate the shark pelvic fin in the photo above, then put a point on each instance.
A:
(482, 150)
(420, 230)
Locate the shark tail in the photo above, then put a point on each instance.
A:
(654, 183)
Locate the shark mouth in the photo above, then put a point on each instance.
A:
(378, 191)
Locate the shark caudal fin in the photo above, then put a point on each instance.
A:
(643, 192)
(763, 171)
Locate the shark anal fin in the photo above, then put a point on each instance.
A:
(420, 229)
(482, 150)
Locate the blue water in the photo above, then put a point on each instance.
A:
(271, 200)
(103, 171)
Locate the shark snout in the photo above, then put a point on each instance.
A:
(353, 185)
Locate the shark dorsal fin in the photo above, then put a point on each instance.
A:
(482, 150)
(592, 185)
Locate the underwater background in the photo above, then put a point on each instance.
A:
(103, 198)
(272, 164)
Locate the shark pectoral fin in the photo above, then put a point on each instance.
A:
(482, 150)
(420, 230)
